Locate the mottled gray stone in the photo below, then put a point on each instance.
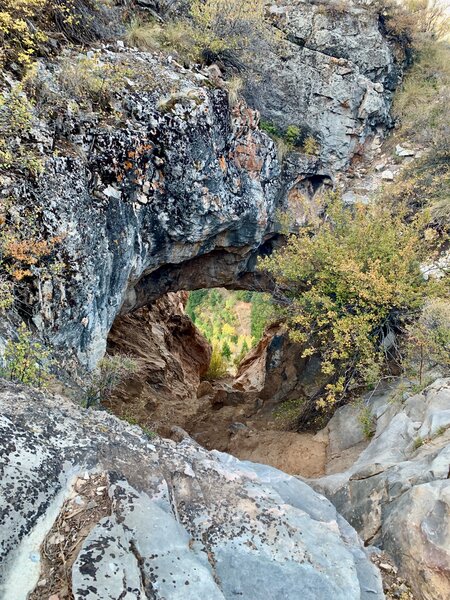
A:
(398, 482)
(185, 523)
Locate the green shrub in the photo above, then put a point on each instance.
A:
(143, 34)
(344, 285)
(26, 360)
(110, 373)
(218, 365)
(421, 104)
(429, 338)
(227, 25)
(91, 81)
(262, 312)
(367, 422)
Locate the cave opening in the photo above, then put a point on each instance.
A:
(207, 363)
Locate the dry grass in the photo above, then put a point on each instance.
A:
(144, 35)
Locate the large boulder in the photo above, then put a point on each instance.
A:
(93, 504)
(396, 494)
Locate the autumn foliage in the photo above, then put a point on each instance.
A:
(346, 286)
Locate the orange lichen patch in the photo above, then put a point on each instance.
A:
(246, 157)
(223, 163)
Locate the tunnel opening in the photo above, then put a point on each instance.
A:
(210, 362)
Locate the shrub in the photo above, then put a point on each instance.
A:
(110, 373)
(25, 252)
(429, 338)
(421, 103)
(20, 38)
(367, 422)
(218, 30)
(311, 146)
(260, 316)
(25, 26)
(26, 360)
(92, 81)
(417, 20)
(344, 285)
(144, 35)
(227, 25)
(218, 364)
(16, 117)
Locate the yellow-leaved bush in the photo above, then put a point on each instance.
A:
(345, 285)
(19, 37)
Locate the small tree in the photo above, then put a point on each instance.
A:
(110, 373)
(26, 360)
(226, 351)
(429, 338)
(218, 365)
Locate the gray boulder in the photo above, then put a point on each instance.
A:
(396, 494)
(170, 521)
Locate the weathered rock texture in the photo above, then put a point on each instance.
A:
(276, 371)
(176, 521)
(171, 357)
(172, 188)
(333, 78)
(397, 493)
(177, 176)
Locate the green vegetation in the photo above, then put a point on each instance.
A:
(213, 29)
(260, 315)
(26, 360)
(291, 138)
(345, 284)
(429, 338)
(110, 373)
(231, 321)
(16, 117)
(26, 27)
(367, 422)
(423, 111)
(91, 81)
(418, 442)
(218, 365)
(286, 413)
(25, 253)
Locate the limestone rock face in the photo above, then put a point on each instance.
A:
(181, 174)
(397, 492)
(334, 78)
(171, 187)
(276, 371)
(167, 520)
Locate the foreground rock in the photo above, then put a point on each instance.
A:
(174, 521)
(397, 493)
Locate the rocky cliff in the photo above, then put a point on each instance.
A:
(396, 491)
(170, 186)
